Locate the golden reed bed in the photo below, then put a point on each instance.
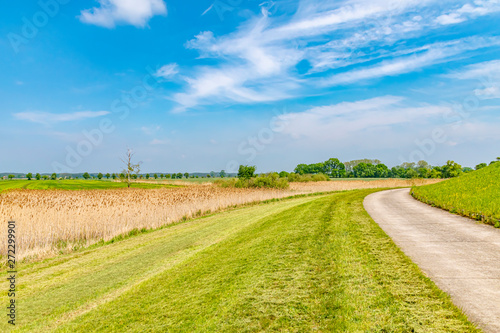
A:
(49, 221)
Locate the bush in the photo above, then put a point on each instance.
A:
(270, 180)
(320, 177)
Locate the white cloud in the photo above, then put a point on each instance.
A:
(488, 93)
(346, 120)
(470, 10)
(433, 54)
(257, 63)
(134, 12)
(159, 142)
(478, 71)
(150, 130)
(167, 71)
(50, 118)
(452, 18)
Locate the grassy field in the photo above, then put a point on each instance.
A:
(73, 184)
(297, 265)
(475, 195)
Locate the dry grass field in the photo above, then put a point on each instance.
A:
(345, 185)
(51, 221)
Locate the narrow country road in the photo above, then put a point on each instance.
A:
(461, 256)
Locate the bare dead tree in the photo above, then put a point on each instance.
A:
(130, 168)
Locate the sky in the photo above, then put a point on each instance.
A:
(200, 85)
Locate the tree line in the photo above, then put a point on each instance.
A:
(373, 168)
(332, 168)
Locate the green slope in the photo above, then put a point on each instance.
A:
(300, 265)
(475, 194)
(73, 184)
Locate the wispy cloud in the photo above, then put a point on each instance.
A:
(150, 130)
(477, 71)
(258, 62)
(341, 121)
(167, 71)
(51, 118)
(156, 142)
(468, 11)
(134, 12)
(430, 55)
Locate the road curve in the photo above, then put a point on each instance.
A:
(461, 256)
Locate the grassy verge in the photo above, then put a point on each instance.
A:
(73, 185)
(475, 195)
(305, 264)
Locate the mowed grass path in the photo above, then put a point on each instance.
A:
(73, 184)
(299, 265)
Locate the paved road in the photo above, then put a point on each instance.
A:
(461, 256)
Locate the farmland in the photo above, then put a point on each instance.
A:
(76, 185)
(475, 195)
(57, 221)
(316, 263)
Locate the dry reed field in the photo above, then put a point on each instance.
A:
(345, 185)
(49, 221)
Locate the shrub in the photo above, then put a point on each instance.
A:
(320, 177)
(270, 180)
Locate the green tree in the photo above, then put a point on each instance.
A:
(334, 168)
(147, 176)
(11, 177)
(381, 171)
(156, 176)
(481, 165)
(246, 172)
(349, 166)
(451, 169)
(53, 176)
(411, 173)
(161, 176)
(86, 175)
(186, 175)
(99, 175)
(114, 176)
(167, 176)
(29, 176)
(108, 175)
(179, 175)
(301, 169)
(222, 174)
(283, 174)
(45, 177)
(38, 176)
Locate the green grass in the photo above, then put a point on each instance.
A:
(475, 195)
(300, 265)
(73, 185)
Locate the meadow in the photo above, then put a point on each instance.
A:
(57, 221)
(315, 263)
(475, 195)
(76, 184)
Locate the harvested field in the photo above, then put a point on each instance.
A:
(50, 221)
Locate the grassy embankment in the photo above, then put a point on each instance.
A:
(301, 265)
(73, 184)
(475, 195)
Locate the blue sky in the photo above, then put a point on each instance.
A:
(203, 85)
